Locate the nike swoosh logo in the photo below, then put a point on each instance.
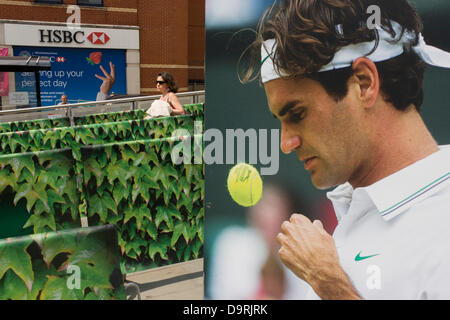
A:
(359, 258)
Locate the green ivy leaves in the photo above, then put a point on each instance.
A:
(33, 124)
(139, 214)
(103, 128)
(118, 171)
(194, 109)
(159, 205)
(39, 266)
(156, 205)
(167, 214)
(159, 247)
(17, 163)
(56, 289)
(7, 179)
(120, 192)
(41, 222)
(14, 257)
(43, 181)
(180, 228)
(101, 205)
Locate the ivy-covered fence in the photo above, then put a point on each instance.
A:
(193, 109)
(65, 121)
(45, 266)
(196, 110)
(46, 183)
(33, 124)
(109, 117)
(75, 137)
(156, 205)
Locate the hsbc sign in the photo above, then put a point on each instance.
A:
(98, 38)
(66, 37)
(61, 36)
(30, 34)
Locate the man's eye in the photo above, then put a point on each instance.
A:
(297, 116)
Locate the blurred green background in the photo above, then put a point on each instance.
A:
(229, 104)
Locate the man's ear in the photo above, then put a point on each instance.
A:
(366, 77)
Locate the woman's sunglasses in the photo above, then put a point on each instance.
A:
(160, 82)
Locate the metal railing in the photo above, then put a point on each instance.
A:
(125, 104)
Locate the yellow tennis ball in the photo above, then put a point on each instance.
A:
(245, 184)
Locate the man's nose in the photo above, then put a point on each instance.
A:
(289, 142)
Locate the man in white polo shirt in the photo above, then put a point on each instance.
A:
(348, 95)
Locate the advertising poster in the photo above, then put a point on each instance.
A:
(242, 260)
(4, 77)
(73, 73)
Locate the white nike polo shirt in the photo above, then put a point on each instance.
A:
(393, 237)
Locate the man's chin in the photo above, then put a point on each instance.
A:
(321, 183)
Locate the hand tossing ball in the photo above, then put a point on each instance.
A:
(245, 184)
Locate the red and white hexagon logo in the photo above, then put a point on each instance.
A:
(98, 38)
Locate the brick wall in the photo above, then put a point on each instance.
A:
(115, 12)
(196, 36)
(164, 40)
(171, 31)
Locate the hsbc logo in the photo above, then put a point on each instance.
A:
(98, 38)
(55, 59)
(61, 36)
(68, 37)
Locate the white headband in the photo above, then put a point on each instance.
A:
(388, 47)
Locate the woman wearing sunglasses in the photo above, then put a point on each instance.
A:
(166, 85)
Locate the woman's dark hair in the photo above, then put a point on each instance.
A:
(307, 39)
(170, 81)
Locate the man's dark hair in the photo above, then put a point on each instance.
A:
(307, 39)
(170, 81)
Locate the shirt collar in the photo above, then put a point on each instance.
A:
(341, 197)
(412, 184)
